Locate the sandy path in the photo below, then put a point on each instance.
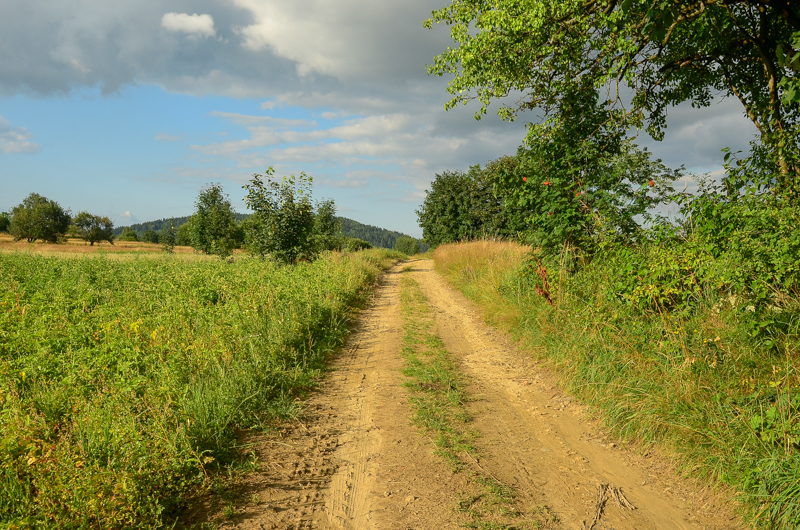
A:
(355, 462)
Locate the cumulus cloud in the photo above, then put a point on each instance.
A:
(354, 151)
(193, 25)
(15, 140)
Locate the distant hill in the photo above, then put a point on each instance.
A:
(159, 224)
(375, 236)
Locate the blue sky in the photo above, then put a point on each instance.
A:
(127, 109)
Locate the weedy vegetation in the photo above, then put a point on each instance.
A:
(124, 382)
(676, 345)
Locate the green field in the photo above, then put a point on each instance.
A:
(124, 382)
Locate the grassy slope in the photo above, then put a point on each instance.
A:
(697, 384)
(123, 380)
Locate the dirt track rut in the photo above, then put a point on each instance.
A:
(354, 461)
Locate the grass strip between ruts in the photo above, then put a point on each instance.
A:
(438, 399)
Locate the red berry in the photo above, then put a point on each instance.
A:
(524, 179)
(652, 182)
(546, 182)
(550, 213)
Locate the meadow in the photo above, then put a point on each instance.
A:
(125, 380)
(717, 386)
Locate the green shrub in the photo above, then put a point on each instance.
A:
(407, 245)
(353, 244)
(128, 234)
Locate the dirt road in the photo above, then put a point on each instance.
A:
(354, 461)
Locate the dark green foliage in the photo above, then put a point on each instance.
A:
(407, 245)
(151, 236)
(5, 220)
(39, 218)
(93, 228)
(575, 196)
(462, 206)
(282, 224)
(353, 244)
(212, 228)
(128, 234)
(327, 228)
(377, 237)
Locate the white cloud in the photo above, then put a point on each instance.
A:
(15, 140)
(193, 25)
(164, 137)
(127, 215)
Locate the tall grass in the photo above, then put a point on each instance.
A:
(123, 381)
(705, 383)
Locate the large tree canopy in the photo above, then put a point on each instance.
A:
(663, 51)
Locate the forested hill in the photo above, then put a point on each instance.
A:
(159, 224)
(375, 236)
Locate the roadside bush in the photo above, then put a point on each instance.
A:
(407, 245)
(353, 244)
(5, 220)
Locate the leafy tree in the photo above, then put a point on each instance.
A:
(5, 220)
(150, 236)
(128, 234)
(555, 53)
(571, 203)
(183, 235)
(407, 245)
(282, 224)
(94, 228)
(38, 218)
(213, 228)
(463, 206)
(327, 227)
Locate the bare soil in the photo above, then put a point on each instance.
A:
(354, 461)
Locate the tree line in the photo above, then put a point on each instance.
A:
(285, 224)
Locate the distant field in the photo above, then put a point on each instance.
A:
(79, 246)
(124, 381)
